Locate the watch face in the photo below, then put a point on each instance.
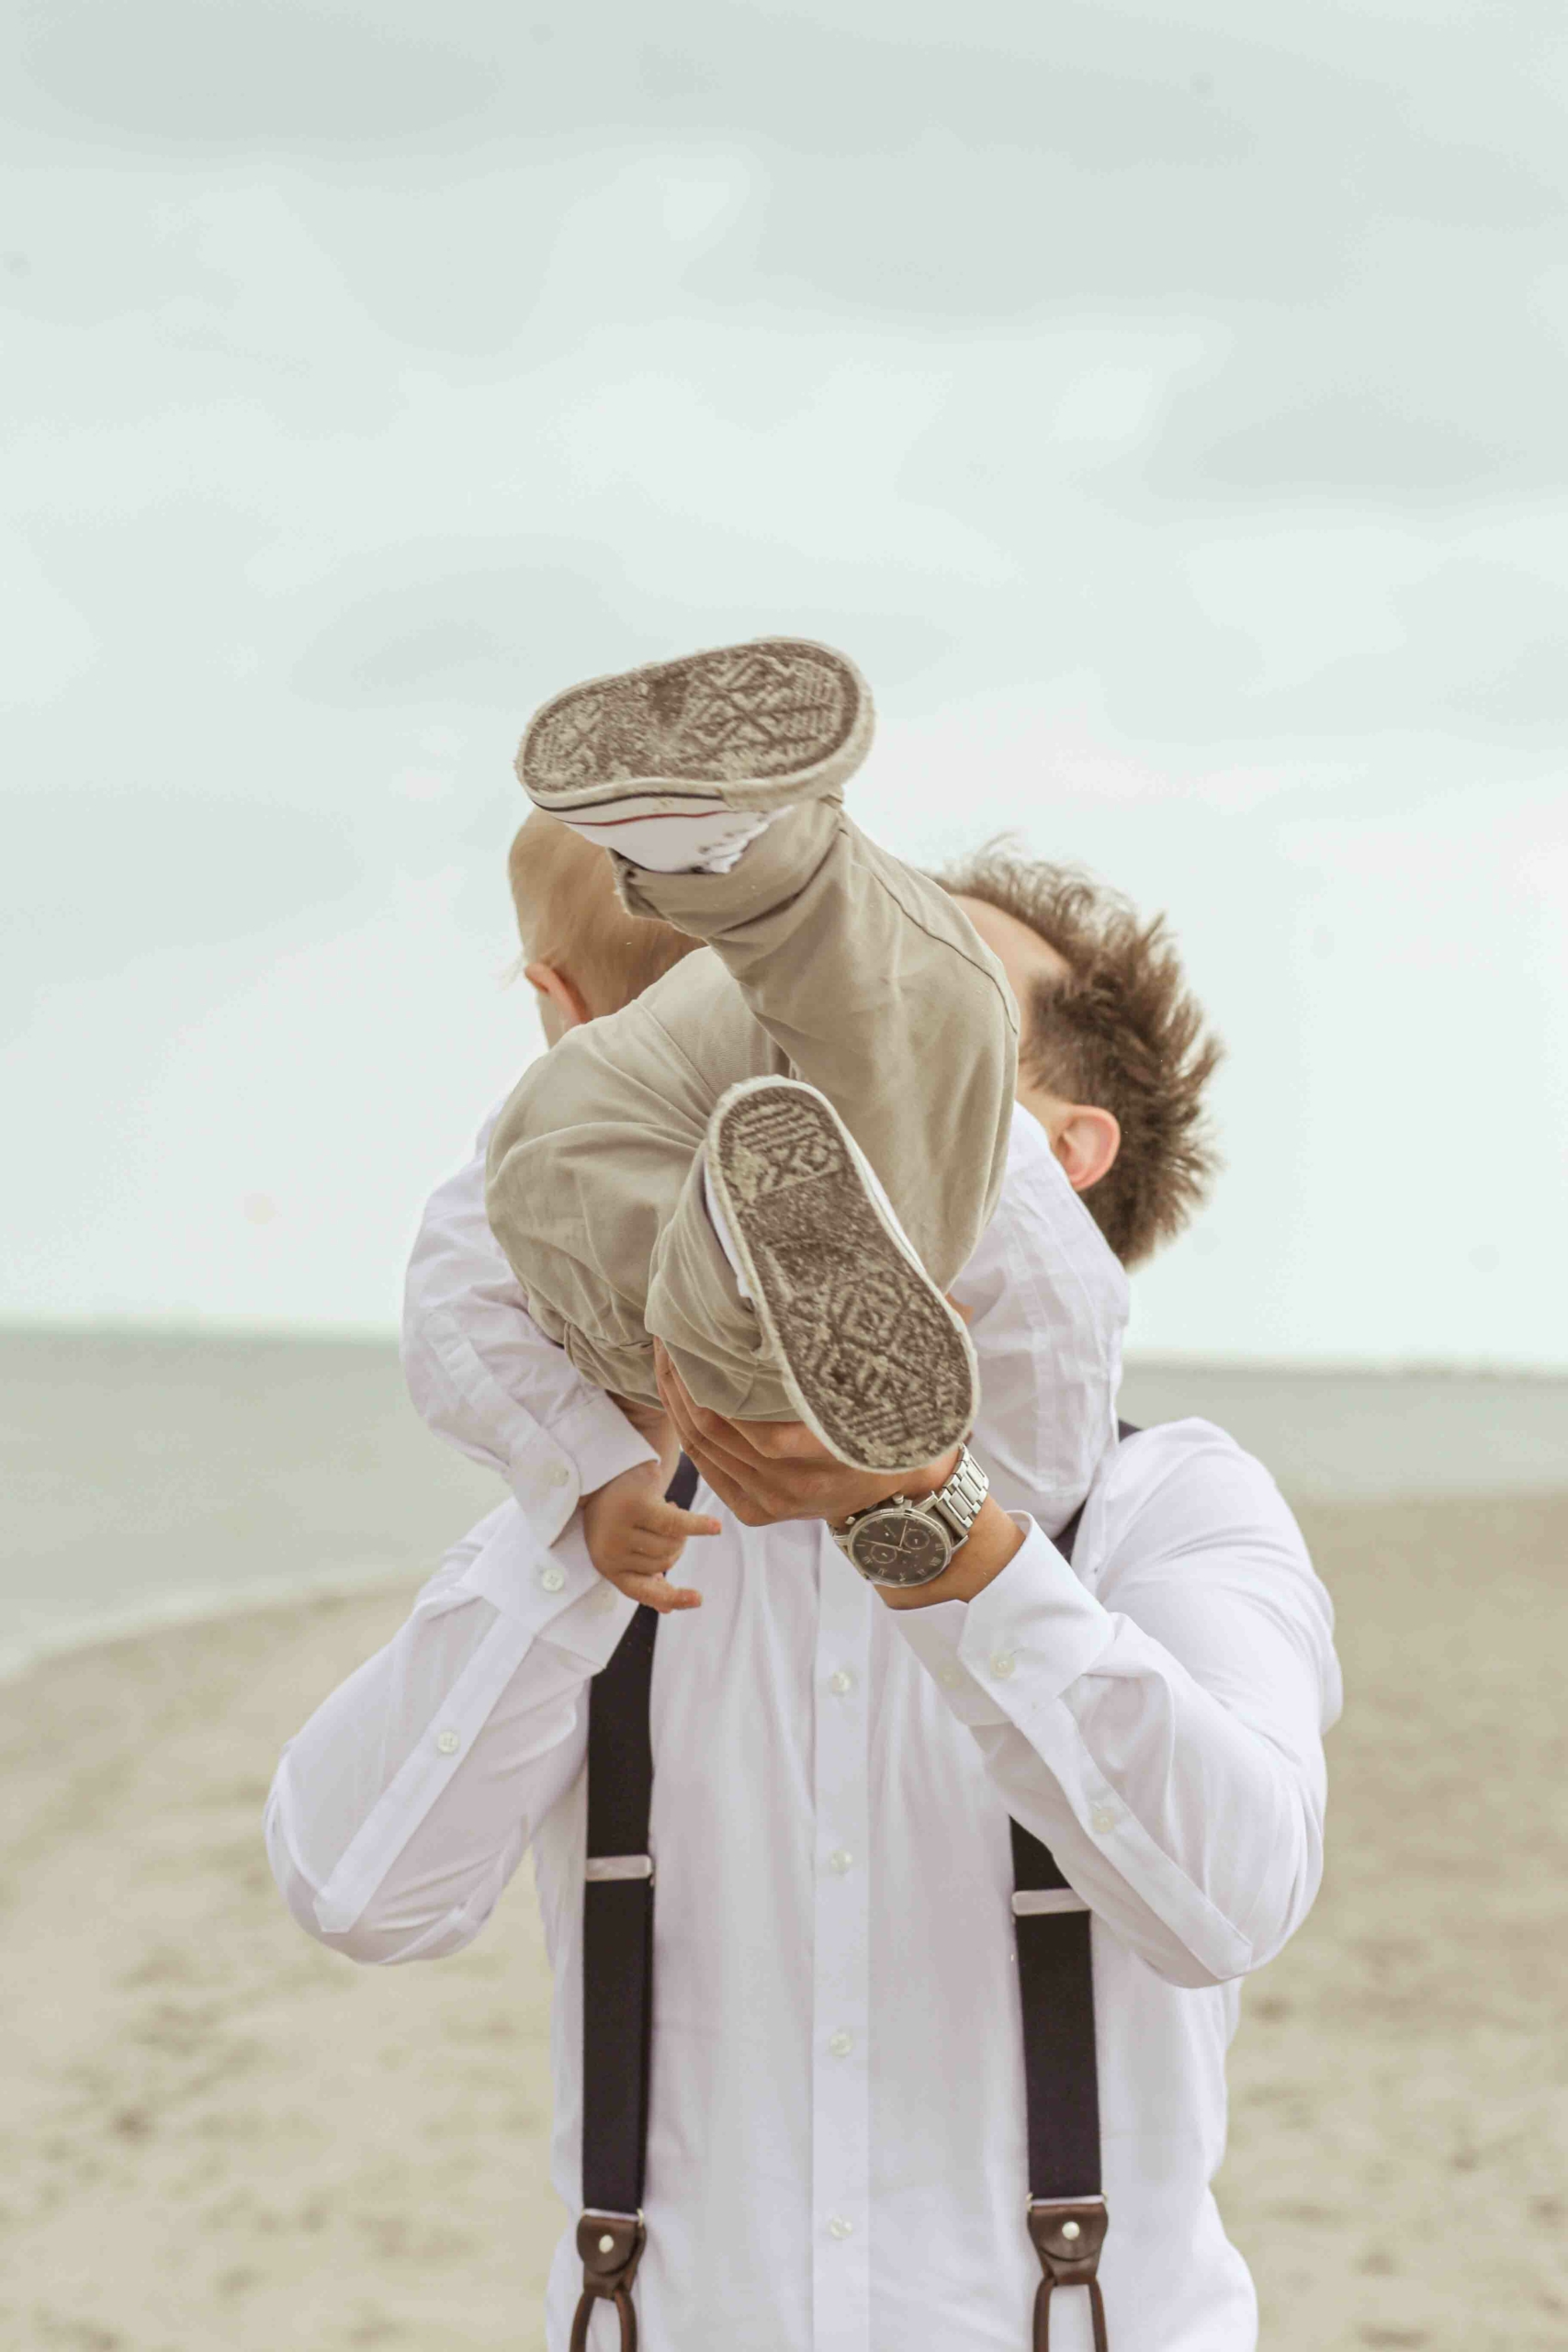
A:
(899, 1546)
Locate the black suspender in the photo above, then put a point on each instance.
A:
(1067, 2219)
(617, 1968)
(1067, 2205)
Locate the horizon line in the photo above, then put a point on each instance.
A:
(249, 1331)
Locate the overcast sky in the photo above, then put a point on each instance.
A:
(1169, 419)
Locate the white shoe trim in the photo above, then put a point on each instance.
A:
(725, 1239)
(709, 840)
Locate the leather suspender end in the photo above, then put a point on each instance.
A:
(610, 2245)
(1067, 2234)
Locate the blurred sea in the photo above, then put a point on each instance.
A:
(152, 1476)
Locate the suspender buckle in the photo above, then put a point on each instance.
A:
(610, 2245)
(1067, 2234)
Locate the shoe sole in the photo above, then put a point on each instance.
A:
(744, 725)
(877, 1362)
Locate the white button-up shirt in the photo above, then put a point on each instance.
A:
(836, 2147)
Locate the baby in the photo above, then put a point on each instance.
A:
(776, 1158)
(1045, 1297)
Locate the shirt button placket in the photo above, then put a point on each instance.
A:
(840, 2135)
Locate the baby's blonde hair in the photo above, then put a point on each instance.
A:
(570, 917)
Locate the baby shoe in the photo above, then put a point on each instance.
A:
(679, 765)
(877, 1362)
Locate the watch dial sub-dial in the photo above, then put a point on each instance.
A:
(900, 1547)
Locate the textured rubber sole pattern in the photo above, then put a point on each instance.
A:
(880, 1365)
(749, 726)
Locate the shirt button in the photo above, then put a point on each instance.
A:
(552, 1579)
(1101, 1819)
(558, 1475)
(948, 1678)
(448, 1742)
(1003, 1665)
(841, 1860)
(839, 2227)
(840, 2044)
(840, 1681)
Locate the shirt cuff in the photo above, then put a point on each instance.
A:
(600, 1440)
(550, 1590)
(936, 1636)
(551, 1470)
(1008, 1654)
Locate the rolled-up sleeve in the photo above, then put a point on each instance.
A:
(401, 1810)
(1155, 1714)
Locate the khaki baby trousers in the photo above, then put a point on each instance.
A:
(830, 962)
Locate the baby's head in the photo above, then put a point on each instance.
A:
(582, 952)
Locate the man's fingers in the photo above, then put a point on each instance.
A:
(715, 1472)
(746, 1443)
(677, 1404)
(741, 1469)
(743, 1486)
(741, 1500)
(695, 1424)
(714, 1434)
(697, 1449)
(753, 1444)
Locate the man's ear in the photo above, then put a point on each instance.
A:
(1087, 1144)
(562, 1005)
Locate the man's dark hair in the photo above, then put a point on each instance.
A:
(1121, 1031)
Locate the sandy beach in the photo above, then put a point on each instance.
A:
(218, 2134)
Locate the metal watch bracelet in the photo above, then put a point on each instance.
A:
(904, 1543)
(960, 1501)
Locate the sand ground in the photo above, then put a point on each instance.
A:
(166, 1474)
(217, 2134)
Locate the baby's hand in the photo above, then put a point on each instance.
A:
(635, 1537)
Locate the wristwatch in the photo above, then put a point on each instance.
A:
(904, 1543)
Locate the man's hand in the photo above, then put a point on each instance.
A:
(634, 1537)
(767, 1471)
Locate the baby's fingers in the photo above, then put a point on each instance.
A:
(645, 1555)
(669, 1524)
(655, 1591)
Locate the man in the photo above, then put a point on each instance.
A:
(836, 2149)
